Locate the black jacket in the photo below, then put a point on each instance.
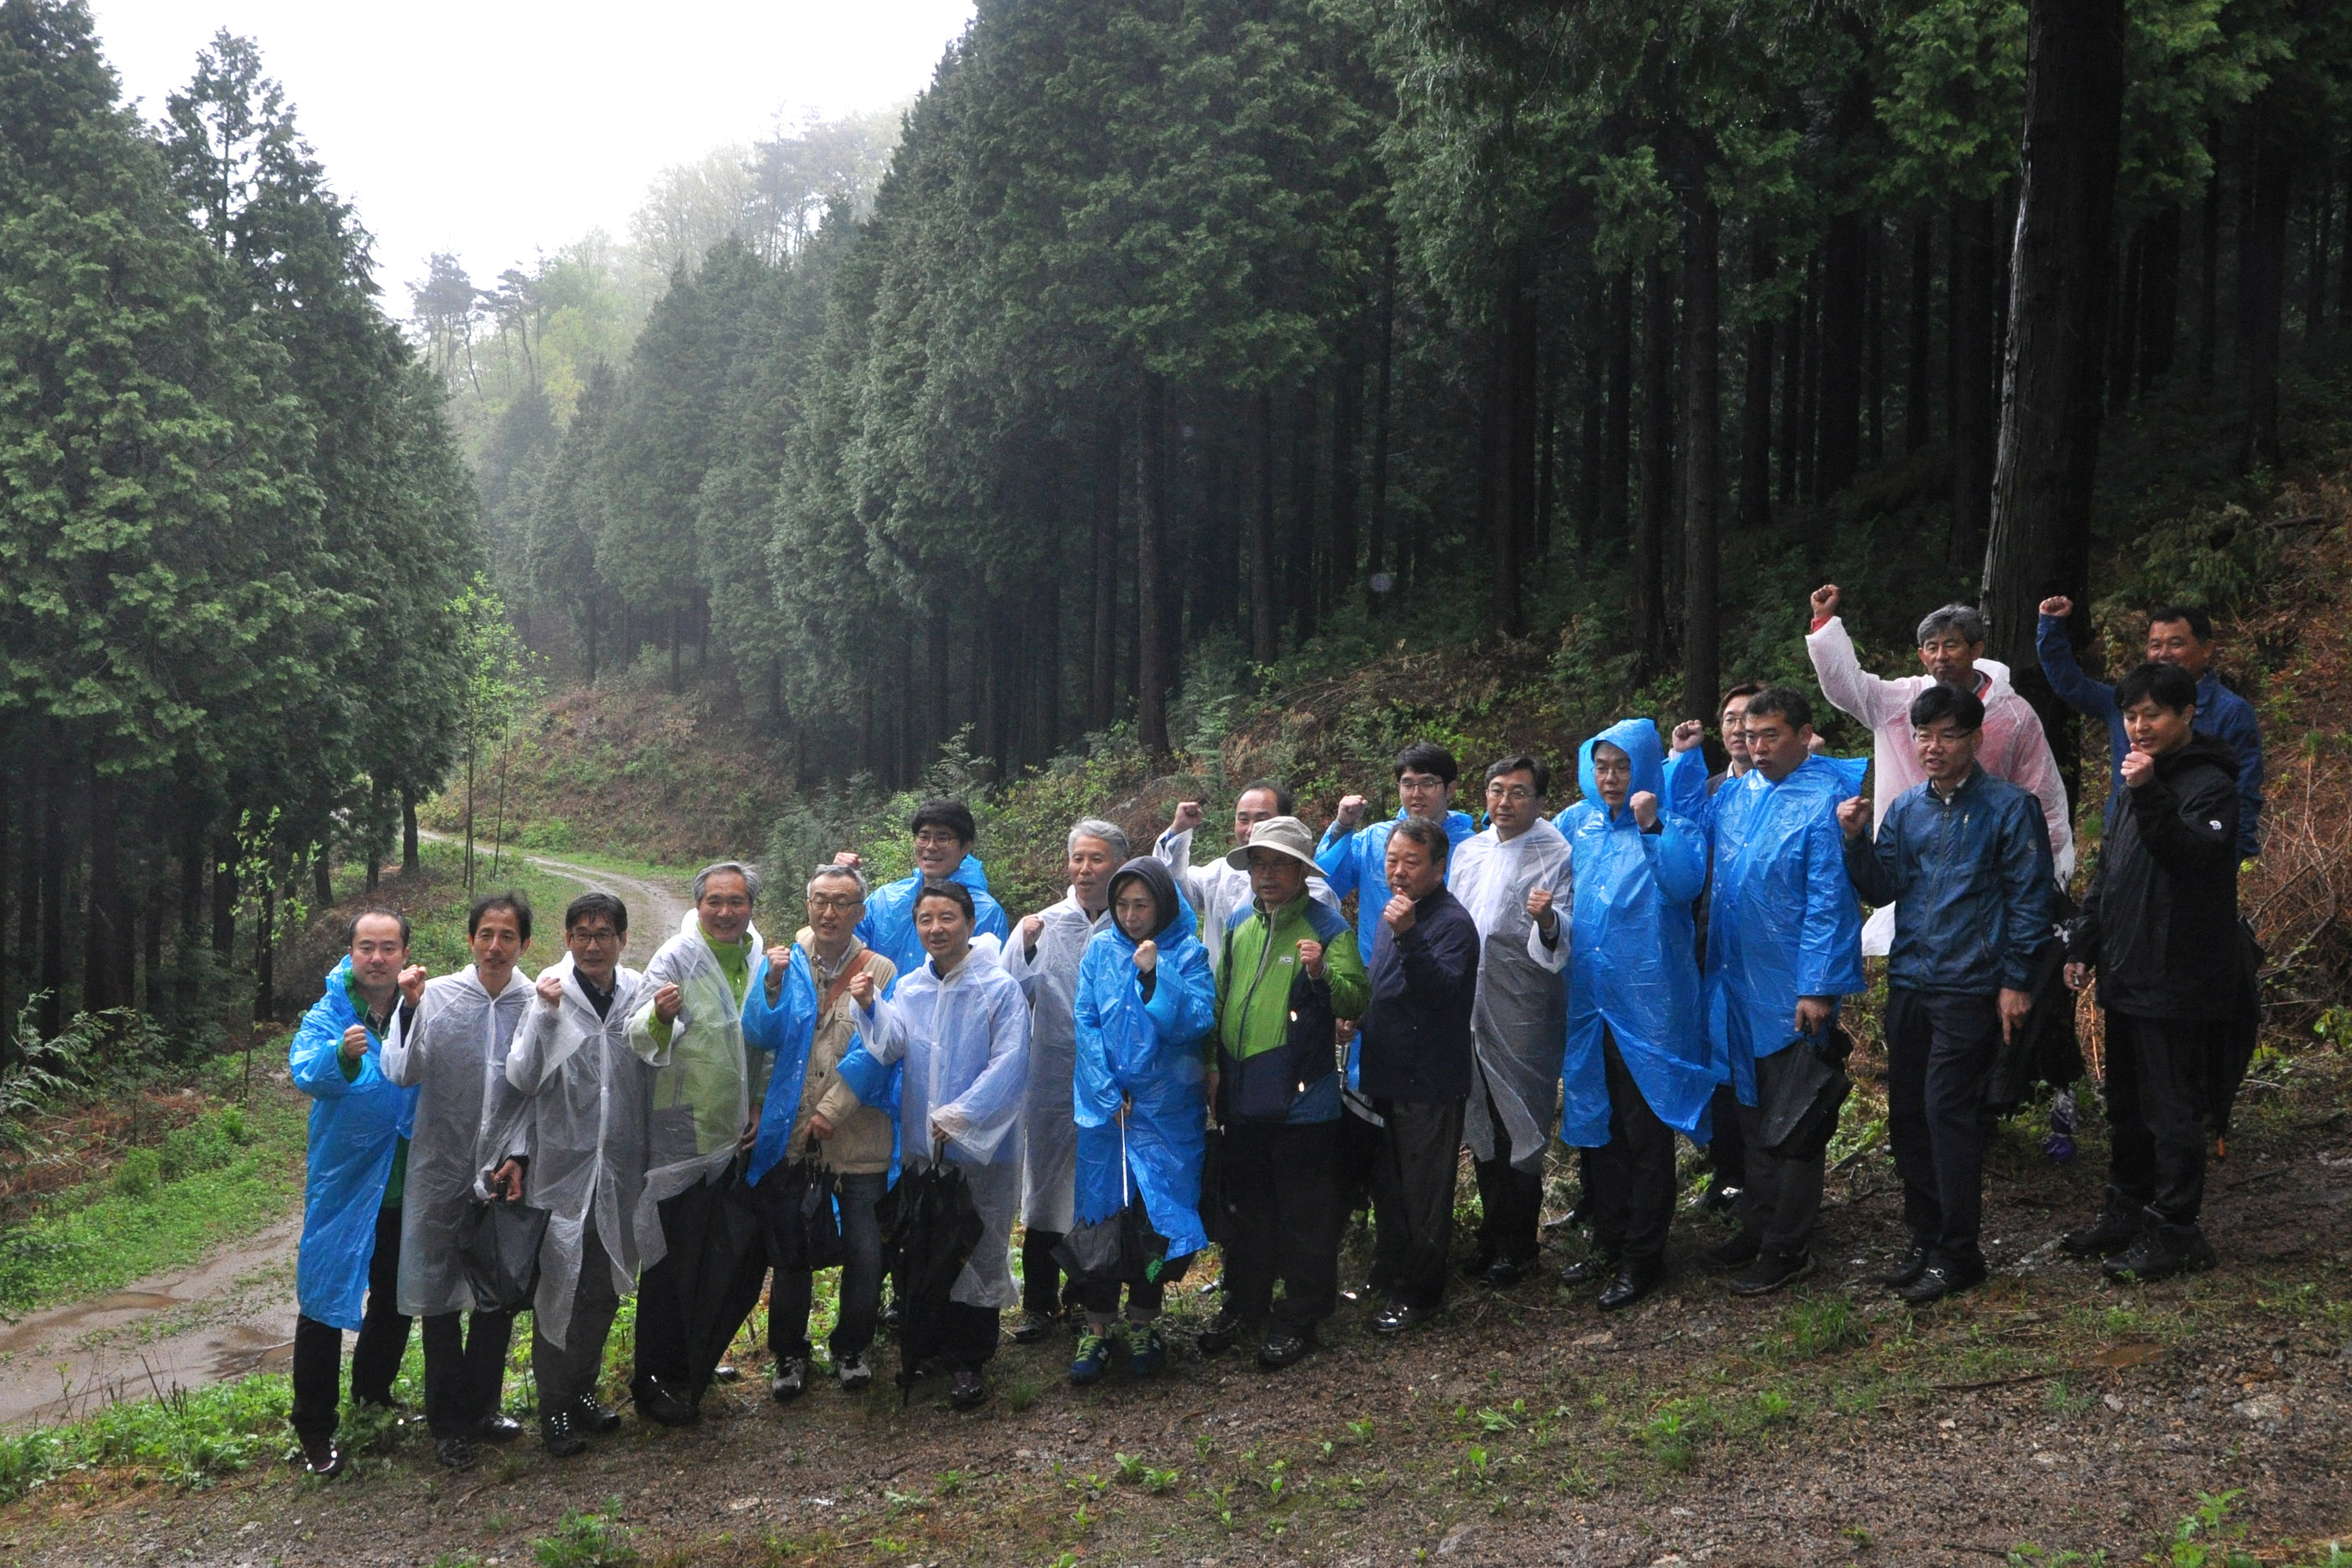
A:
(1417, 1031)
(2160, 923)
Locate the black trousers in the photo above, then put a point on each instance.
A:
(1413, 1199)
(1782, 1200)
(1634, 1172)
(662, 1348)
(968, 1336)
(464, 1369)
(567, 1373)
(1939, 1049)
(1510, 1200)
(376, 1359)
(2158, 1075)
(1728, 1152)
(1362, 1146)
(1144, 1296)
(1284, 1184)
(1042, 1290)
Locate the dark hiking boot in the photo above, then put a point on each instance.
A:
(1737, 1250)
(968, 1391)
(1772, 1271)
(1506, 1272)
(2117, 1226)
(1908, 1272)
(659, 1401)
(320, 1458)
(595, 1417)
(1475, 1266)
(1601, 1268)
(2160, 1252)
(1937, 1281)
(499, 1427)
(559, 1434)
(454, 1453)
(1398, 1317)
(1031, 1328)
(1221, 1334)
(791, 1380)
(1284, 1348)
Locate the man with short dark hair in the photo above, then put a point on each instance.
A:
(1951, 643)
(1513, 879)
(943, 833)
(1964, 859)
(471, 1142)
(1219, 890)
(1415, 1070)
(2180, 634)
(2160, 928)
(1732, 726)
(1783, 944)
(352, 1185)
(588, 1094)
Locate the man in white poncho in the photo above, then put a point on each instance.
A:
(962, 1026)
(689, 1029)
(1218, 890)
(470, 1145)
(1513, 877)
(1043, 957)
(587, 1092)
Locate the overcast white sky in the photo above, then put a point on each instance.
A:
(494, 128)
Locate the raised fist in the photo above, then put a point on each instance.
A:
(861, 988)
(412, 983)
(1826, 601)
(669, 1003)
(2059, 605)
(1539, 907)
(1189, 817)
(550, 987)
(849, 858)
(1398, 914)
(354, 1042)
(1853, 815)
(1310, 955)
(1351, 812)
(1688, 734)
(2138, 768)
(1146, 957)
(1645, 809)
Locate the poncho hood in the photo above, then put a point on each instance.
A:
(1639, 739)
(1172, 910)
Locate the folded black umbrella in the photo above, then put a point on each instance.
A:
(797, 1218)
(716, 1261)
(2234, 1050)
(930, 1228)
(498, 1243)
(1217, 1212)
(2042, 1050)
(1802, 1114)
(1121, 1249)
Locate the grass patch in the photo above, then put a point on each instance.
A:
(231, 1172)
(588, 1540)
(1817, 1326)
(190, 1438)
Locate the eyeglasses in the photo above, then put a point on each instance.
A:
(833, 904)
(936, 838)
(602, 937)
(1516, 793)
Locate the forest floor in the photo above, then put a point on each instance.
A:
(2048, 1413)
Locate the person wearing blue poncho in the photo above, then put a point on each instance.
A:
(360, 1122)
(1638, 1067)
(944, 833)
(1145, 1001)
(1784, 943)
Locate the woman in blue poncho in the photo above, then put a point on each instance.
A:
(1638, 1067)
(1145, 1002)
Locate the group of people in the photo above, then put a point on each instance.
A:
(1178, 1054)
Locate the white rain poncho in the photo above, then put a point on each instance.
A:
(1518, 1022)
(588, 1093)
(1218, 890)
(2015, 747)
(469, 1122)
(701, 1093)
(965, 1041)
(1049, 1135)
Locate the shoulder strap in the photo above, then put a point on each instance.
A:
(832, 993)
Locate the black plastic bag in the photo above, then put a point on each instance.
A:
(1122, 1249)
(1802, 1114)
(2043, 1049)
(797, 1218)
(2233, 1047)
(498, 1243)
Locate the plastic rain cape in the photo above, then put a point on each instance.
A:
(784, 1033)
(1518, 1022)
(1782, 920)
(1050, 981)
(1633, 950)
(701, 1091)
(964, 1044)
(1150, 1053)
(355, 1123)
(588, 1095)
(468, 1120)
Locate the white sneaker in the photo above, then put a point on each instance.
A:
(854, 1374)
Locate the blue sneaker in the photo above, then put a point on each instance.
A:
(1147, 1358)
(1093, 1359)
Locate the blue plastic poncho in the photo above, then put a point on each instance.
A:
(889, 924)
(1357, 863)
(1149, 1053)
(785, 1031)
(1783, 920)
(355, 1124)
(1632, 951)
(963, 1044)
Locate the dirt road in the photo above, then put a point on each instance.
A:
(233, 1312)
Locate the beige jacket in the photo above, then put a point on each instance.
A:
(860, 1144)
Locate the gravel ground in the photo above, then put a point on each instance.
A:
(2048, 1410)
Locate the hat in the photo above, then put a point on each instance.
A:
(1284, 836)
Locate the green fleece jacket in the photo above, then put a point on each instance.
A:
(1261, 958)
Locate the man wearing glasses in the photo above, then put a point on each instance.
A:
(1514, 879)
(944, 834)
